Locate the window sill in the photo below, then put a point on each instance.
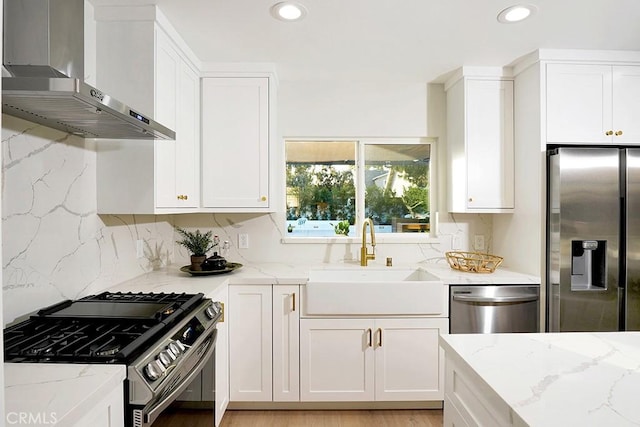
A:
(408, 238)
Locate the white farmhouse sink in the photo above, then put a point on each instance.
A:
(373, 291)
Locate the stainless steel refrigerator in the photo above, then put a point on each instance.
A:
(593, 239)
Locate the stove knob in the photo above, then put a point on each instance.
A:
(172, 356)
(153, 371)
(164, 359)
(175, 349)
(180, 346)
(210, 312)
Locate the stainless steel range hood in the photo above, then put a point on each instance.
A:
(44, 53)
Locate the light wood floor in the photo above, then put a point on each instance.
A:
(360, 418)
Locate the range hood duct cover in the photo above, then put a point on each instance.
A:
(43, 51)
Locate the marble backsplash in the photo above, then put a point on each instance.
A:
(56, 246)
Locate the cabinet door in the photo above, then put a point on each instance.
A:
(579, 104)
(221, 375)
(187, 144)
(336, 360)
(167, 68)
(177, 106)
(235, 143)
(286, 343)
(626, 104)
(409, 362)
(489, 144)
(109, 412)
(250, 349)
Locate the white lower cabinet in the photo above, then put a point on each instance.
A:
(109, 412)
(469, 401)
(221, 395)
(250, 344)
(336, 360)
(286, 343)
(384, 359)
(264, 353)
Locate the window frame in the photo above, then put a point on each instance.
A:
(359, 180)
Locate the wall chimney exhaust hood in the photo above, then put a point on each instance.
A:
(44, 54)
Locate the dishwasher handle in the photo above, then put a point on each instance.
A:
(498, 300)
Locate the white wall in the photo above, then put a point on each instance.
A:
(54, 245)
(352, 109)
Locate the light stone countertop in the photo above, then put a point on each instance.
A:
(171, 279)
(558, 379)
(56, 393)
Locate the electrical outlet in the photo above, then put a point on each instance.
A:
(243, 241)
(139, 248)
(479, 242)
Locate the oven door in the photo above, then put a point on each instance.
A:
(180, 378)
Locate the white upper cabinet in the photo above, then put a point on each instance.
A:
(142, 63)
(178, 93)
(592, 104)
(480, 145)
(235, 144)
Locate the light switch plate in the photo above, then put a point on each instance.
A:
(243, 241)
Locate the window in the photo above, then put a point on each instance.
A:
(332, 183)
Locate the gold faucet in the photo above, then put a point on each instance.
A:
(365, 256)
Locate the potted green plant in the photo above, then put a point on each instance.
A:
(198, 244)
(342, 227)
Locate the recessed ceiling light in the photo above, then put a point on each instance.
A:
(288, 11)
(516, 13)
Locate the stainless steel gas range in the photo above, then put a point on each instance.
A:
(164, 339)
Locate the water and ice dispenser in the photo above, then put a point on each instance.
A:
(588, 265)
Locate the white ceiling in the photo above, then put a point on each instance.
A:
(402, 40)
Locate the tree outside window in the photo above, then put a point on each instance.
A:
(322, 186)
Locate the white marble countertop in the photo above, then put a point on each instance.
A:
(59, 394)
(171, 279)
(559, 379)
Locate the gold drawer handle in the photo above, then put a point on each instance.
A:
(182, 197)
(609, 133)
(618, 133)
(369, 337)
(263, 198)
(293, 297)
(379, 337)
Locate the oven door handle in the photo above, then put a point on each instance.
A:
(498, 300)
(160, 406)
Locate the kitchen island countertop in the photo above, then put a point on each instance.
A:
(57, 393)
(554, 379)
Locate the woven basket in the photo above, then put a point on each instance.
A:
(473, 262)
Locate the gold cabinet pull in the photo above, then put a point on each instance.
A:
(183, 197)
(263, 198)
(471, 199)
(609, 133)
(293, 297)
(379, 337)
(618, 132)
(369, 337)
(222, 309)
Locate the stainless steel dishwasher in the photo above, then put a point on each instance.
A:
(493, 309)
